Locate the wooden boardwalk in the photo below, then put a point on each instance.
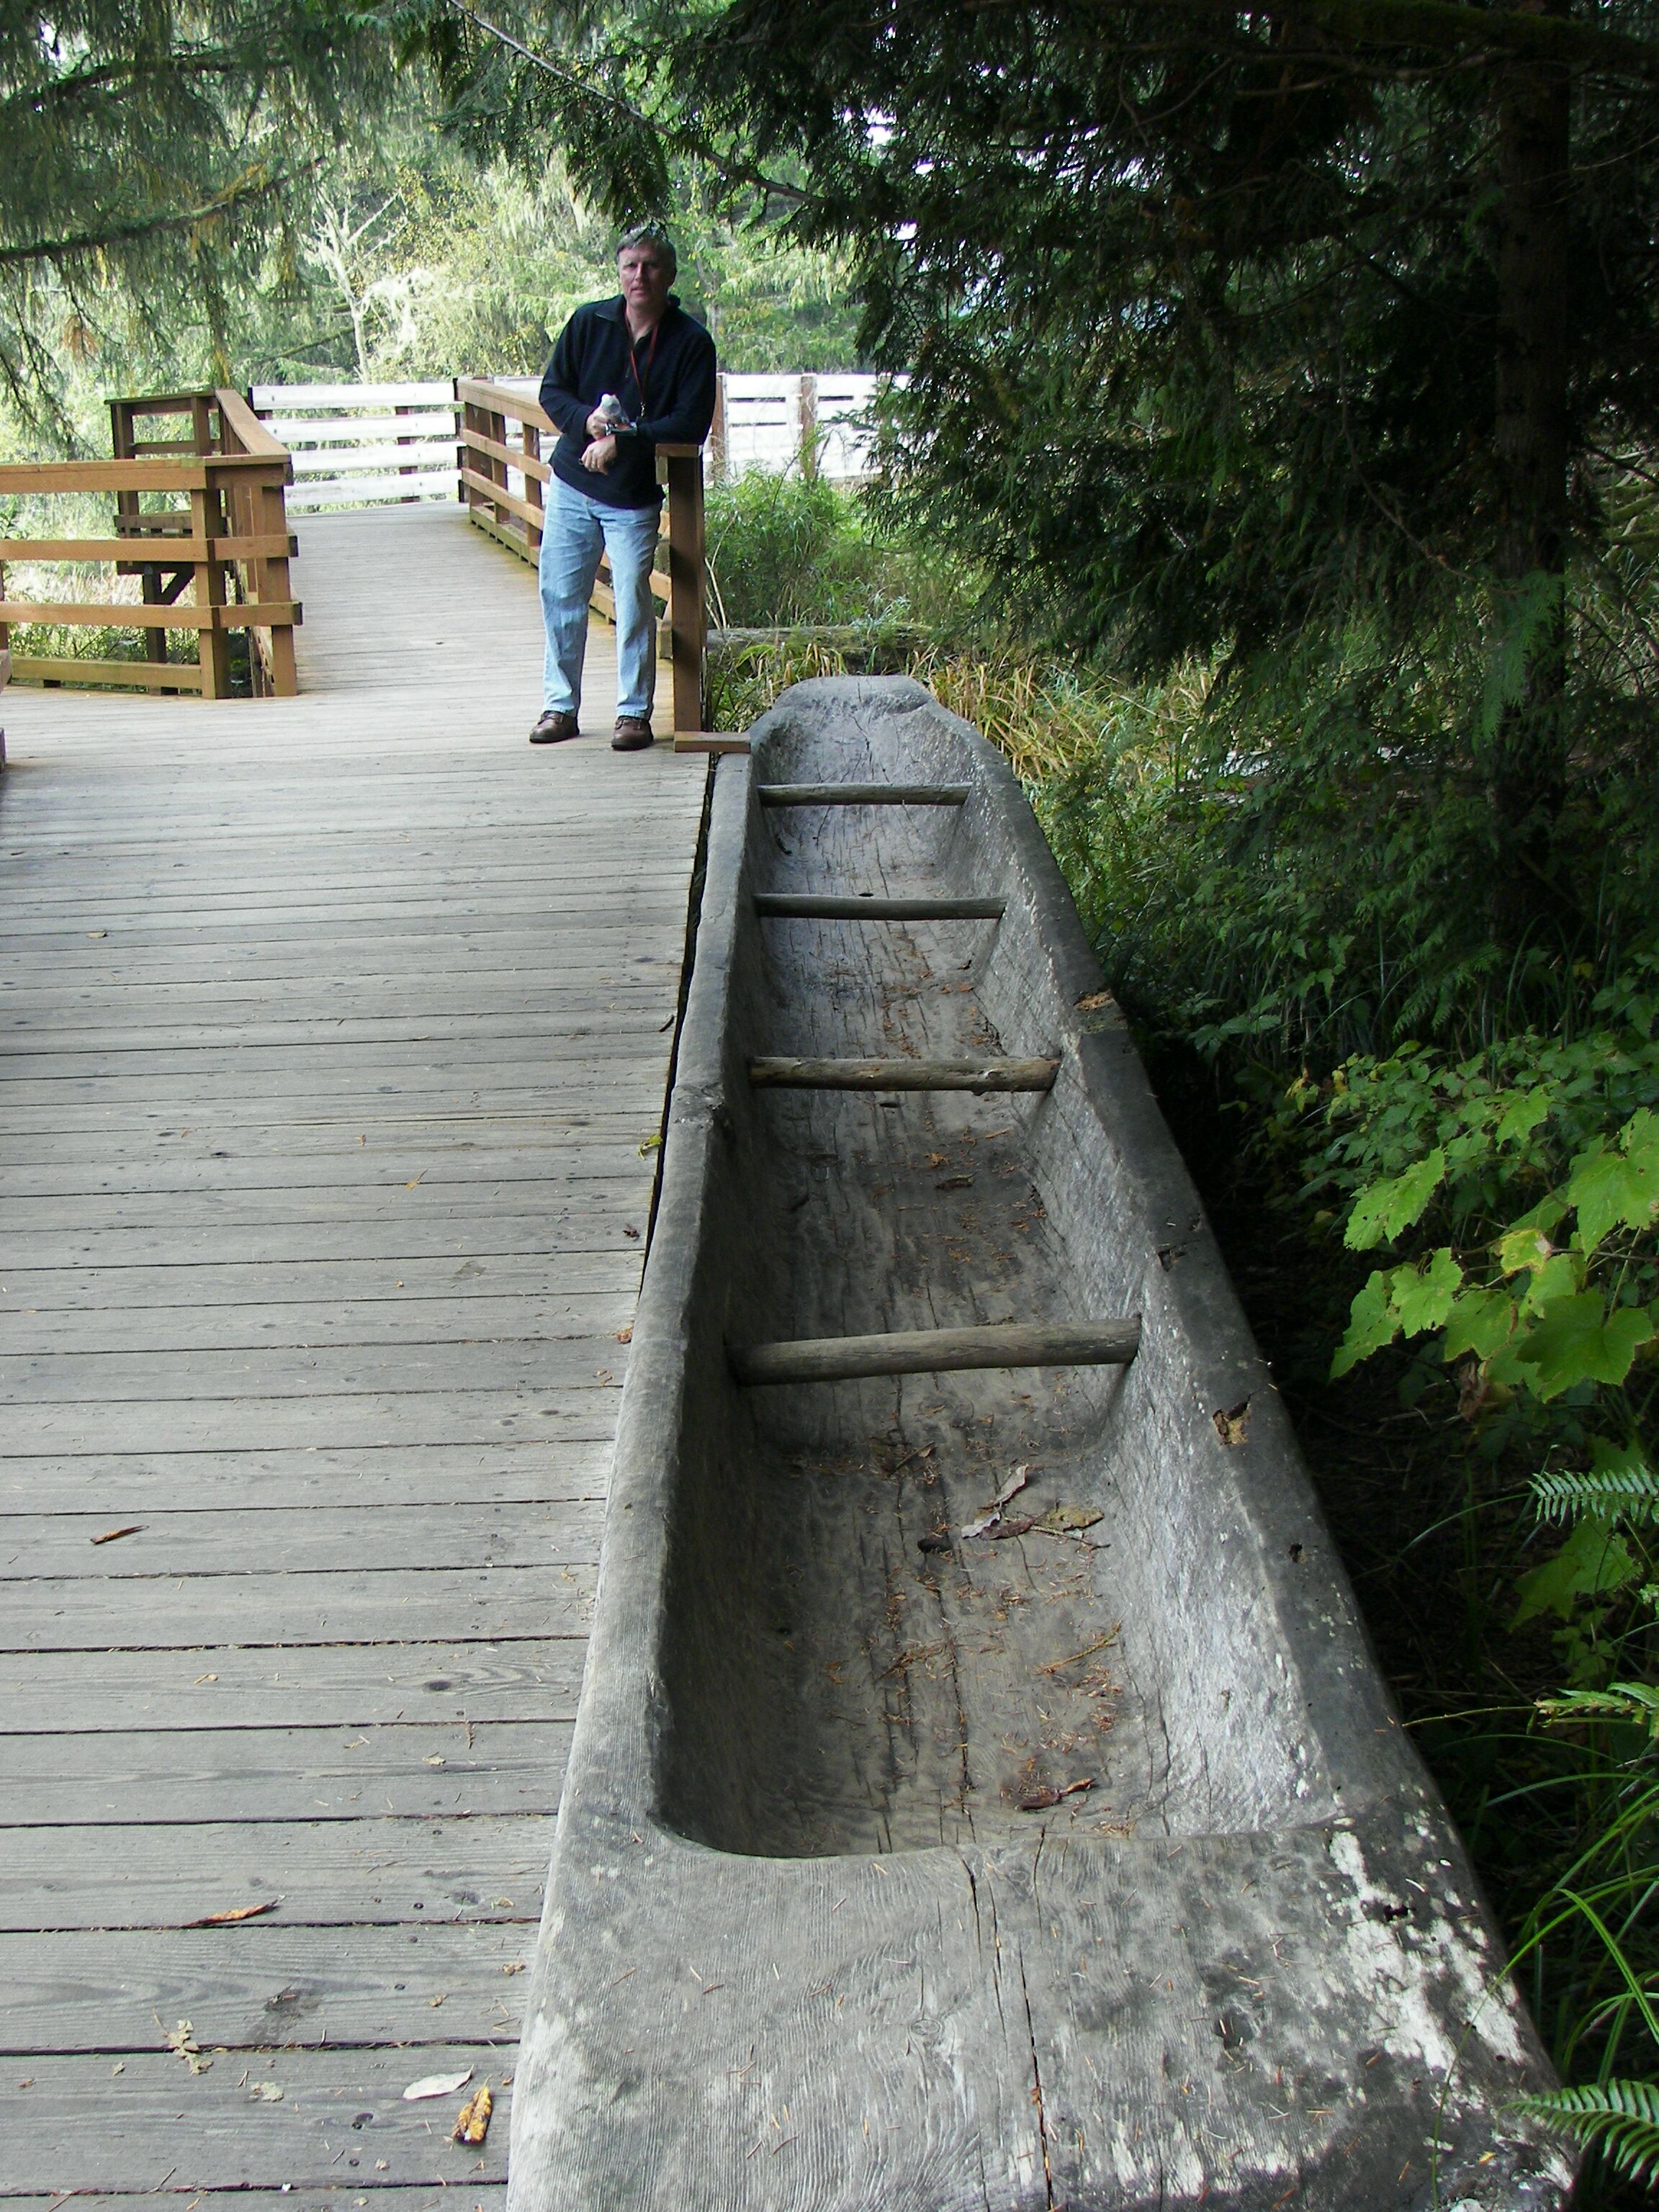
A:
(333, 1031)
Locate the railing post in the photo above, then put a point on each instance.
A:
(533, 485)
(687, 610)
(496, 428)
(122, 437)
(808, 427)
(718, 467)
(212, 644)
(270, 520)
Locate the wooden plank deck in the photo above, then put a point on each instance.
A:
(331, 1032)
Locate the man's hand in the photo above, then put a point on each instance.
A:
(599, 423)
(600, 454)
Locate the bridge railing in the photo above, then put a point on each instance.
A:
(203, 514)
(352, 443)
(503, 475)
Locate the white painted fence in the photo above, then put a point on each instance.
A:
(356, 444)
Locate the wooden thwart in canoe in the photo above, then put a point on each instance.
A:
(904, 1074)
(939, 1351)
(862, 794)
(821, 905)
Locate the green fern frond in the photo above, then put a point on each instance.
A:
(1620, 2117)
(1620, 1701)
(1628, 1493)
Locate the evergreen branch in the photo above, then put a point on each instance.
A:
(681, 140)
(1450, 26)
(59, 251)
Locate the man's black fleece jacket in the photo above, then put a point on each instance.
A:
(667, 390)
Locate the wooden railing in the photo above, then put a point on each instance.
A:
(492, 455)
(354, 443)
(219, 531)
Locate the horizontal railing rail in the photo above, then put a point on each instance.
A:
(356, 444)
(503, 474)
(220, 534)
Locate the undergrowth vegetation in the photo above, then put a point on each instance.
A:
(1434, 1164)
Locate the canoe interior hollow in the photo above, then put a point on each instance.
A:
(828, 1685)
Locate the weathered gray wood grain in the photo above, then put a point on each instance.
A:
(259, 1985)
(300, 1686)
(263, 973)
(132, 1776)
(435, 1604)
(576, 1411)
(437, 1474)
(316, 1538)
(322, 1369)
(339, 2131)
(320, 1873)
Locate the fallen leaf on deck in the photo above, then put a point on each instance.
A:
(954, 1182)
(419, 1178)
(1092, 1002)
(1039, 1801)
(1233, 1426)
(266, 2093)
(112, 1535)
(235, 1912)
(650, 1144)
(624, 1336)
(937, 1541)
(628, 1230)
(473, 2125)
(436, 2085)
(936, 1159)
(181, 2042)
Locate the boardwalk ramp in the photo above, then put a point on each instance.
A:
(333, 1039)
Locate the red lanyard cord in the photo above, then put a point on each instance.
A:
(640, 382)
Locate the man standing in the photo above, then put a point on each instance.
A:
(626, 374)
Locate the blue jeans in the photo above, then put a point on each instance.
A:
(576, 530)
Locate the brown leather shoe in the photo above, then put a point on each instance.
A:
(558, 724)
(631, 735)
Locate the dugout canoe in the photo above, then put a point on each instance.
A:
(917, 1853)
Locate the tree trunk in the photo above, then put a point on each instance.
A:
(1529, 764)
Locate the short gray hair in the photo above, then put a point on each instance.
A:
(651, 233)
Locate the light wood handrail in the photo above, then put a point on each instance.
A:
(228, 543)
(486, 455)
(239, 422)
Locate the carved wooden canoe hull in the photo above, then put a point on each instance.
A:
(1078, 1860)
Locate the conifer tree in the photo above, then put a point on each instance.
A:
(151, 153)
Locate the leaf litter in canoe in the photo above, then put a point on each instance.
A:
(1040, 1800)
